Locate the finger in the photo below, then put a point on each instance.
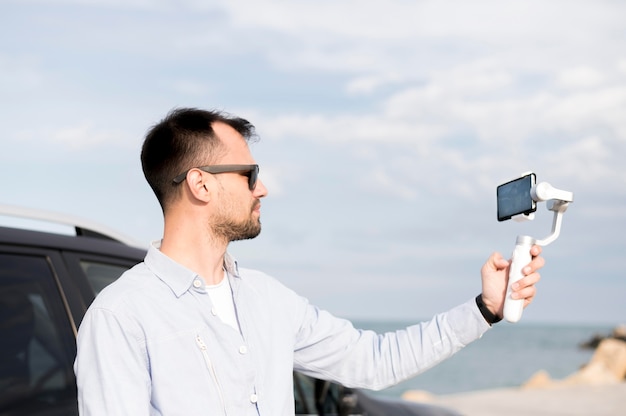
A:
(528, 301)
(527, 281)
(527, 292)
(496, 262)
(501, 263)
(536, 264)
(536, 250)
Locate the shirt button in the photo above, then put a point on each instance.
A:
(197, 283)
(243, 349)
(213, 311)
(254, 398)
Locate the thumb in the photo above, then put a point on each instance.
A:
(496, 262)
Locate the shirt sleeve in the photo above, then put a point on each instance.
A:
(331, 348)
(111, 367)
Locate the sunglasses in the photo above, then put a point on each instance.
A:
(251, 171)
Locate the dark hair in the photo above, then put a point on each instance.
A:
(182, 140)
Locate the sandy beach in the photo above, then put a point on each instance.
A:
(596, 400)
(598, 389)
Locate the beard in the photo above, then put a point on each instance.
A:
(224, 227)
(233, 231)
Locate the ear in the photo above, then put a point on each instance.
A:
(198, 186)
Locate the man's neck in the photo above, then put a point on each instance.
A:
(196, 251)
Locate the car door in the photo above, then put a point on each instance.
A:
(44, 294)
(38, 335)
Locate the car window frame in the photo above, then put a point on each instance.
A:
(78, 280)
(59, 274)
(57, 302)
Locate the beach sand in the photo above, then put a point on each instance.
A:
(573, 400)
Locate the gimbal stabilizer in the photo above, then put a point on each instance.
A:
(557, 201)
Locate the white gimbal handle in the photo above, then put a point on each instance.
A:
(558, 203)
(513, 308)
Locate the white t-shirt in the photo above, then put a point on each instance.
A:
(223, 305)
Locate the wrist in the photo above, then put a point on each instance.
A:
(489, 316)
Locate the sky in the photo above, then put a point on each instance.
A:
(385, 128)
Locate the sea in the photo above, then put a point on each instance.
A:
(508, 355)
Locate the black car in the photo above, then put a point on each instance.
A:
(47, 281)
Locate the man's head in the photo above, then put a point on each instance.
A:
(199, 162)
(184, 139)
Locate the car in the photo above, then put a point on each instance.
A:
(48, 280)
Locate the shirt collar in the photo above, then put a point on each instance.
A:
(179, 278)
(230, 264)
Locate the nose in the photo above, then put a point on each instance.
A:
(260, 191)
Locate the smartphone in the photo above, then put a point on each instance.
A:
(514, 197)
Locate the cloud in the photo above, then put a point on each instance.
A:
(498, 122)
(385, 127)
(81, 135)
(20, 72)
(592, 161)
(105, 4)
(190, 87)
(65, 143)
(380, 181)
(579, 77)
(367, 84)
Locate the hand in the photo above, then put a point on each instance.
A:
(494, 274)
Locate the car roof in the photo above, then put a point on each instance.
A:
(84, 243)
(88, 236)
(81, 225)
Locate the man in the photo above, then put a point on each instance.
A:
(189, 332)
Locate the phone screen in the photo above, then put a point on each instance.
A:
(514, 197)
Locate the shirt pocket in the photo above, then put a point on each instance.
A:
(184, 378)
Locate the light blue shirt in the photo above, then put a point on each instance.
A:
(151, 344)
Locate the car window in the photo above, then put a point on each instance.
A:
(304, 394)
(320, 397)
(35, 354)
(101, 274)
